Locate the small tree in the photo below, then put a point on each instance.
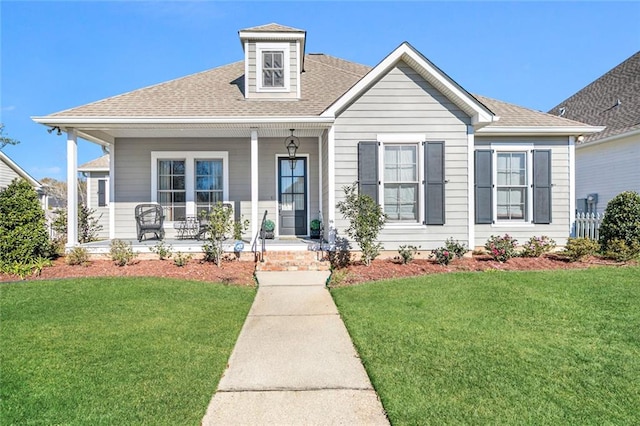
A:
(88, 224)
(366, 219)
(219, 227)
(23, 231)
(621, 221)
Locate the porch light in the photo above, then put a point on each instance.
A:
(292, 143)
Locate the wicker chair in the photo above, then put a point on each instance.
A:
(149, 218)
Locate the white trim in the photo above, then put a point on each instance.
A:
(299, 72)
(189, 157)
(471, 194)
(242, 122)
(607, 139)
(538, 130)
(88, 191)
(19, 170)
(112, 191)
(527, 148)
(319, 174)
(572, 183)
(307, 187)
(246, 69)
(479, 114)
(401, 137)
(331, 178)
(268, 35)
(72, 188)
(255, 181)
(285, 48)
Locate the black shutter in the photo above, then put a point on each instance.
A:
(541, 186)
(483, 186)
(102, 193)
(434, 183)
(368, 169)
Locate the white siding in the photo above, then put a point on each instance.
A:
(608, 169)
(403, 102)
(559, 229)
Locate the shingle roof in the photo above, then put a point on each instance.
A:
(516, 116)
(218, 92)
(98, 164)
(613, 100)
(274, 27)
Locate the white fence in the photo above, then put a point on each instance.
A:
(588, 225)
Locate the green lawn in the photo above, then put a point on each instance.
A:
(115, 350)
(557, 347)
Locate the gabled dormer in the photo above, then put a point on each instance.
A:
(273, 61)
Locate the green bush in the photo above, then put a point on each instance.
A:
(220, 225)
(620, 251)
(442, 255)
(88, 225)
(537, 246)
(579, 248)
(181, 259)
(77, 256)
(163, 251)
(456, 247)
(501, 248)
(23, 230)
(407, 253)
(121, 252)
(621, 221)
(366, 219)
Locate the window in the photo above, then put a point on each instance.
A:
(172, 188)
(401, 183)
(208, 185)
(511, 186)
(272, 69)
(186, 183)
(102, 192)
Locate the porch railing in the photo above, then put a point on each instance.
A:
(588, 225)
(260, 235)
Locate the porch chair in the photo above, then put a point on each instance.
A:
(149, 218)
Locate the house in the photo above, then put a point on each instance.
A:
(97, 173)
(9, 171)
(607, 162)
(284, 131)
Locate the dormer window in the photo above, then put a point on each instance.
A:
(273, 65)
(272, 69)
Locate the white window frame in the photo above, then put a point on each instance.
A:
(527, 149)
(189, 158)
(403, 139)
(285, 48)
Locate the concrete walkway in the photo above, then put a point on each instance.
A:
(294, 362)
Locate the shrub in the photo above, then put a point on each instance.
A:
(77, 256)
(501, 248)
(537, 246)
(23, 232)
(219, 226)
(407, 253)
(181, 259)
(239, 227)
(621, 221)
(163, 251)
(579, 248)
(457, 248)
(88, 226)
(269, 226)
(442, 255)
(366, 219)
(19, 269)
(121, 252)
(619, 250)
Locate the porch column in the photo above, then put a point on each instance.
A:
(572, 185)
(255, 226)
(72, 188)
(112, 191)
(331, 177)
(471, 196)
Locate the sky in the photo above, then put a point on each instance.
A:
(60, 54)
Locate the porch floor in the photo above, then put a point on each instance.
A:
(195, 246)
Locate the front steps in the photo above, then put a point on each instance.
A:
(294, 261)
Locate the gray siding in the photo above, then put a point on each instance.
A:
(254, 74)
(403, 102)
(133, 173)
(7, 175)
(559, 228)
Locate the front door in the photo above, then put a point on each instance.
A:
(292, 196)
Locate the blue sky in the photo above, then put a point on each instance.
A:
(57, 55)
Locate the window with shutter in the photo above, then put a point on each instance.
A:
(368, 169)
(434, 183)
(102, 192)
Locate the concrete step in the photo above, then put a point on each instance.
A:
(293, 261)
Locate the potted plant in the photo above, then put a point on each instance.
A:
(268, 228)
(315, 228)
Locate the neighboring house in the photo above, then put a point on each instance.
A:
(441, 161)
(97, 174)
(9, 171)
(607, 163)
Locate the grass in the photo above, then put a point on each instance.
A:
(115, 350)
(557, 347)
